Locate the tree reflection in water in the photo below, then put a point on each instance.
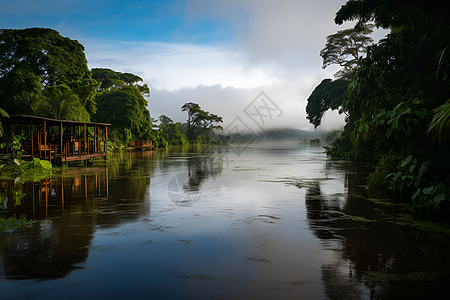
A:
(70, 207)
(369, 257)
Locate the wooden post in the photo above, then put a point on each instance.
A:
(12, 134)
(61, 139)
(84, 140)
(32, 139)
(45, 139)
(106, 138)
(39, 142)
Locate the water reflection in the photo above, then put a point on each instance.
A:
(71, 206)
(373, 259)
(250, 233)
(193, 167)
(208, 164)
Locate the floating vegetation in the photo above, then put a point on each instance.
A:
(258, 259)
(381, 201)
(246, 169)
(413, 276)
(298, 182)
(359, 219)
(11, 223)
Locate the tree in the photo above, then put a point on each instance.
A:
(111, 79)
(399, 91)
(3, 114)
(199, 122)
(327, 95)
(45, 53)
(60, 102)
(164, 120)
(86, 90)
(345, 48)
(126, 109)
(33, 59)
(19, 89)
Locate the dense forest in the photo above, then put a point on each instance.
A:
(395, 95)
(45, 74)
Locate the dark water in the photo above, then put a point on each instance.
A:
(277, 221)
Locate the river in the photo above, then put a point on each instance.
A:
(268, 221)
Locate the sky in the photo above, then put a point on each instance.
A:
(253, 62)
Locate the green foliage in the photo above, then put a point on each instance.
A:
(440, 124)
(329, 94)
(200, 123)
(126, 109)
(111, 80)
(397, 98)
(19, 89)
(60, 102)
(15, 168)
(86, 90)
(11, 223)
(34, 58)
(345, 48)
(3, 114)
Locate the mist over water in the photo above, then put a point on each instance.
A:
(265, 220)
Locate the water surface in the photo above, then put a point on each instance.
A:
(276, 221)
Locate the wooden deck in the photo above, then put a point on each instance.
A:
(141, 144)
(56, 140)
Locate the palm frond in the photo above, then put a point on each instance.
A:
(439, 126)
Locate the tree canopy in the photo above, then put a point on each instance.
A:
(329, 94)
(111, 79)
(345, 48)
(60, 102)
(32, 62)
(199, 122)
(126, 109)
(43, 52)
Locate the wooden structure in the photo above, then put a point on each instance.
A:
(141, 144)
(56, 140)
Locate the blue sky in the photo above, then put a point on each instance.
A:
(159, 21)
(221, 54)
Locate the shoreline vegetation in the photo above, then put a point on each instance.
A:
(395, 95)
(12, 223)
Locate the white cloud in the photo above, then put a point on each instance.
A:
(172, 66)
(275, 49)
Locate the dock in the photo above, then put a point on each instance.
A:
(55, 140)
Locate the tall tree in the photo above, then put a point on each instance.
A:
(33, 59)
(44, 52)
(60, 102)
(200, 122)
(126, 109)
(345, 48)
(111, 79)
